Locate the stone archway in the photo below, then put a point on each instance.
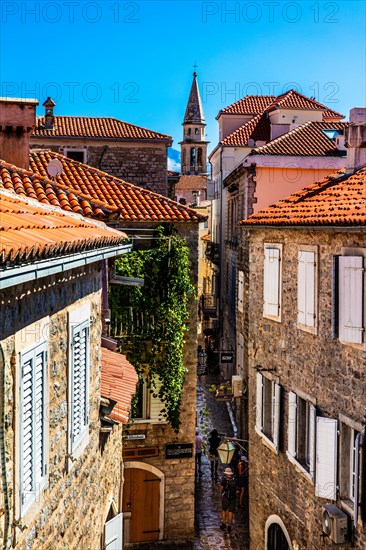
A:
(143, 502)
(276, 535)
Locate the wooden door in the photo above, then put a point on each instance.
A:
(141, 497)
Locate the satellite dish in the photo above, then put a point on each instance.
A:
(54, 168)
(251, 142)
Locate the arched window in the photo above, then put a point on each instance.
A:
(184, 158)
(276, 538)
(193, 156)
(189, 131)
(196, 131)
(199, 156)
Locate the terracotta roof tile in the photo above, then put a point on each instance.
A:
(337, 200)
(31, 231)
(249, 105)
(257, 129)
(309, 139)
(188, 183)
(118, 382)
(133, 203)
(97, 128)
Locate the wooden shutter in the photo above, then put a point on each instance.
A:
(326, 458)
(156, 404)
(276, 415)
(271, 282)
(240, 353)
(259, 402)
(312, 430)
(306, 288)
(114, 533)
(351, 299)
(240, 291)
(356, 468)
(79, 382)
(291, 429)
(32, 444)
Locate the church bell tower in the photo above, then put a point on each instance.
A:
(194, 147)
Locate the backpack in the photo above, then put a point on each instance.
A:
(229, 489)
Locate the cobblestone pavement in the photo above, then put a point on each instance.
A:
(212, 414)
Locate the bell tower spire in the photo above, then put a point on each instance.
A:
(194, 147)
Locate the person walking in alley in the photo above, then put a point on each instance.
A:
(242, 479)
(228, 498)
(214, 441)
(199, 441)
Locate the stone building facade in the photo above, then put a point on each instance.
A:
(124, 150)
(59, 484)
(306, 345)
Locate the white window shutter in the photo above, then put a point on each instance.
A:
(351, 299)
(312, 430)
(326, 458)
(33, 423)
(357, 475)
(259, 402)
(271, 282)
(276, 415)
(292, 421)
(301, 284)
(156, 404)
(114, 533)
(240, 291)
(79, 382)
(310, 289)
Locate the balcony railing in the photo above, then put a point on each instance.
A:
(213, 252)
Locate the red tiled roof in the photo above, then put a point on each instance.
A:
(187, 183)
(337, 200)
(97, 128)
(39, 187)
(118, 382)
(249, 105)
(133, 203)
(31, 231)
(306, 140)
(257, 104)
(257, 129)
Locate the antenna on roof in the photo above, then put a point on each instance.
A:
(54, 168)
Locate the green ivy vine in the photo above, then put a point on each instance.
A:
(153, 317)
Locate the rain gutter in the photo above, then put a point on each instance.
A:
(14, 275)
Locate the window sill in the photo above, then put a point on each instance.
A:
(272, 318)
(361, 347)
(148, 421)
(300, 468)
(267, 442)
(77, 451)
(307, 328)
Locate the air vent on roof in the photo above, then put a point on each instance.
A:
(54, 168)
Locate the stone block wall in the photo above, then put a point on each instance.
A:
(318, 365)
(71, 510)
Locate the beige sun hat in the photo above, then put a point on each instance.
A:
(228, 472)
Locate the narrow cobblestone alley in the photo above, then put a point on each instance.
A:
(212, 414)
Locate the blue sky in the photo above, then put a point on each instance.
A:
(134, 59)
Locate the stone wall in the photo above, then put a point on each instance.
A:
(318, 365)
(72, 508)
(143, 164)
(178, 473)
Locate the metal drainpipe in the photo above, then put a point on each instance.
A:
(3, 452)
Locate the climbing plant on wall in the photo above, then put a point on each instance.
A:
(152, 318)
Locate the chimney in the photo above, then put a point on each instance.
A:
(49, 118)
(17, 120)
(356, 139)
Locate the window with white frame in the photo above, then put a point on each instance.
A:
(148, 405)
(301, 432)
(272, 282)
(306, 289)
(241, 291)
(76, 154)
(79, 372)
(349, 299)
(326, 457)
(33, 364)
(268, 409)
(350, 462)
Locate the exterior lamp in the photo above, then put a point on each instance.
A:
(226, 451)
(202, 356)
